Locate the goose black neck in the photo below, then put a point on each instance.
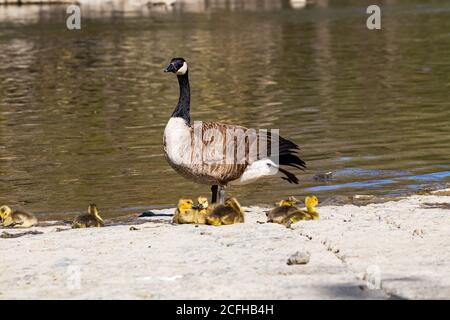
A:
(184, 102)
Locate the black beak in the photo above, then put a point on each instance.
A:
(170, 68)
(195, 206)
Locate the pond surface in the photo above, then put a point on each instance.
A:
(82, 113)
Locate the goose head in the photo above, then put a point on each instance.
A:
(178, 66)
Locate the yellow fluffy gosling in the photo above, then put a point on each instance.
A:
(89, 220)
(310, 214)
(185, 212)
(16, 218)
(229, 213)
(202, 211)
(282, 211)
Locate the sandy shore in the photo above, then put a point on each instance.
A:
(387, 250)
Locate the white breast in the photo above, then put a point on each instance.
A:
(177, 138)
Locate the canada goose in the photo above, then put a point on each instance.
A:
(185, 212)
(285, 209)
(16, 218)
(201, 152)
(224, 214)
(88, 220)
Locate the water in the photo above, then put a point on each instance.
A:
(82, 113)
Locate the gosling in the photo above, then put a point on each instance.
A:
(229, 213)
(91, 219)
(185, 212)
(16, 218)
(284, 209)
(311, 202)
(202, 211)
(310, 214)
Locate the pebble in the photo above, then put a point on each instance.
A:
(300, 257)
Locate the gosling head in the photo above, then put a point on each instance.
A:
(291, 201)
(93, 210)
(5, 212)
(185, 204)
(311, 201)
(202, 202)
(233, 203)
(178, 66)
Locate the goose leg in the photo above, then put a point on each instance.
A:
(214, 190)
(221, 194)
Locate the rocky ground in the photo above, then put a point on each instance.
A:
(392, 250)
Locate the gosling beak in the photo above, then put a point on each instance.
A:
(195, 206)
(170, 68)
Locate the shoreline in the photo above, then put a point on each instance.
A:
(402, 247)
(338, 200)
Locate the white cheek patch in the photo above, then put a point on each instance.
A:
(183, 69)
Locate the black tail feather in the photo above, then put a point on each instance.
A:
(292, 160)
(287, 156)
(289, 176)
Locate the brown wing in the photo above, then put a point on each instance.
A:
(220, 153)
(219, 158)
(233, 148)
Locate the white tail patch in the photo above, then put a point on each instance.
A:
(256, 170)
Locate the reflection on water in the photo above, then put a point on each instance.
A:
(82, 113)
